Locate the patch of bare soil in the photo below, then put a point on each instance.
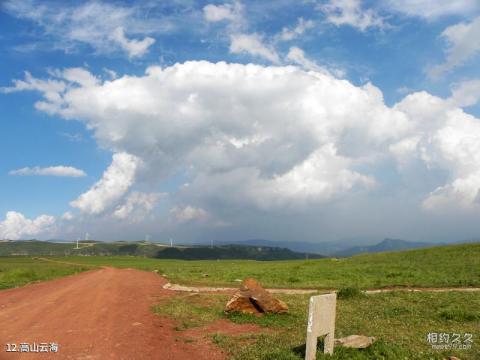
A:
(203, 334)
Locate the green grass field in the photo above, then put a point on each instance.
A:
(17, 271)
(455, 265)
(400, 321)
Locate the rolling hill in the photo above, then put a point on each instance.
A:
(148, 249)
(383, 246)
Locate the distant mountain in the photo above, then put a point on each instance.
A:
(322, 248)
(385, 245)
(467, 241)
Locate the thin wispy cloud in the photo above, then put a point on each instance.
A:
(291, 33)
(253, 44)
(104, 27)
(62, 171)
(433, 9)
(351, 13)
(463, 44)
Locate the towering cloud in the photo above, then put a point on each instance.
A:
(264, 137)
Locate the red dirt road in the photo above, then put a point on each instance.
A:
(98, 314)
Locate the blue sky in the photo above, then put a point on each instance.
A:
(313, 120)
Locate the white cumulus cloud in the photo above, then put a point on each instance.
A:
(137, 206)
(446, 138)
(115, 182)
(267, 137)
(17, 226)
(463, 192)
(188, 213)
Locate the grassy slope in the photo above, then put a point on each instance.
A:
(400, 322)
(455, 265)
(17, 271)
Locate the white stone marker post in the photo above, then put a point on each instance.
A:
(321, 321)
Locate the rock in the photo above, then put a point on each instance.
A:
(262, 298)
(205, 275)
(239, 303)
(252, 298)
(355, 341)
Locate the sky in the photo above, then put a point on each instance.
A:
(313, 120)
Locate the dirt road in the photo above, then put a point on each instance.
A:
(99, 314)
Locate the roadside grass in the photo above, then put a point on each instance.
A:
(349, 293)
(18, 271)
(191, 310)
(399, 320)
(446, 266)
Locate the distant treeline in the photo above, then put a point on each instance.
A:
(232, 252)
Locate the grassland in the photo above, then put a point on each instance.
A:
(17, 271)
(447, 266)
(400, 321)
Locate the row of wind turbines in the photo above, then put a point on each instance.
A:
(147, 238)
